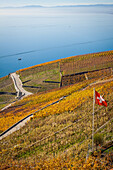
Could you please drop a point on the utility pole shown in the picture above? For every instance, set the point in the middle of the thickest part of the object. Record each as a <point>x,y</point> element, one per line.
<point>93,120</point>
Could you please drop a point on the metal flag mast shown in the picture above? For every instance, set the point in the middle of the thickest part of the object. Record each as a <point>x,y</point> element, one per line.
<point>93,120</point>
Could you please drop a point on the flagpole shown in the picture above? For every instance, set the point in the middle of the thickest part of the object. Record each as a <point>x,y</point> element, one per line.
<point>93,120</point>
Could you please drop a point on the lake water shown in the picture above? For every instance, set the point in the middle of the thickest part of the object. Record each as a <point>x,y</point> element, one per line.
<point>38,35</point>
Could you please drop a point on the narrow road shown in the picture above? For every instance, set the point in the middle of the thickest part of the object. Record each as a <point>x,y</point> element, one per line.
<point>21,92</point>
<point>16,126</point>
<point>23,121</point>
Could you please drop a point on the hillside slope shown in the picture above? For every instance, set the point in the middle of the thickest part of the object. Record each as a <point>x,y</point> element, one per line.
<point>62,129</point>
<point>59,136</point>
<point>47,76</point>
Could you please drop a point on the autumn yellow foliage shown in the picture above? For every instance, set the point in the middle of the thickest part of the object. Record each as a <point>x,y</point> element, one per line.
<point>75,100</point>
<point>76,95</point>
<point>65,162</point>
<point>34,102</point>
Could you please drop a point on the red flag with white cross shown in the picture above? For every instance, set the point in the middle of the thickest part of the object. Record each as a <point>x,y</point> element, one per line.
<point>100,100</point>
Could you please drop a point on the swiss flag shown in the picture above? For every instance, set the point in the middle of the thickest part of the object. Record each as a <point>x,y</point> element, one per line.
<point>99,99</point>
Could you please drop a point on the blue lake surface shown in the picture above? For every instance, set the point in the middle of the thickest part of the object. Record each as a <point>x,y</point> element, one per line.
<point>38,35</point>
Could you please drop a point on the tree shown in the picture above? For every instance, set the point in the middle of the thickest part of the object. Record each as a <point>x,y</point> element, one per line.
<point>98,139</point>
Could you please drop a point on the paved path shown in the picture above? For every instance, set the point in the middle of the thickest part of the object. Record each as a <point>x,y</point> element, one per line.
<point>7,106</point>
<point>23,121</point>
<point>21,92</point>
<point>16,126</point>
<point>101,81</point>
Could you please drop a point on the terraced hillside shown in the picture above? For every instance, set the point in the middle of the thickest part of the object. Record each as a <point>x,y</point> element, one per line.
<point>31,104</point>
<point>79,77</point>
<point>48,75</point>
<point>87,62</point>
<point>37,79</point>
<point>60,135</point>
<point>63,129</point>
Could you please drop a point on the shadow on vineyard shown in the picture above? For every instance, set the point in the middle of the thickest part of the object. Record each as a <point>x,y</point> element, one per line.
<point>78,77</point>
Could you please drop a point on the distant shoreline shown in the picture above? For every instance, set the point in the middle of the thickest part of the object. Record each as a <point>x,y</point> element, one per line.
<point>59,6</point>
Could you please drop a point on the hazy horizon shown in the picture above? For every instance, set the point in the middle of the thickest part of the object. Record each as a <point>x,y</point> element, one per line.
<point>16,3</point>
<point>50,6</point>
<point>45,6</point>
